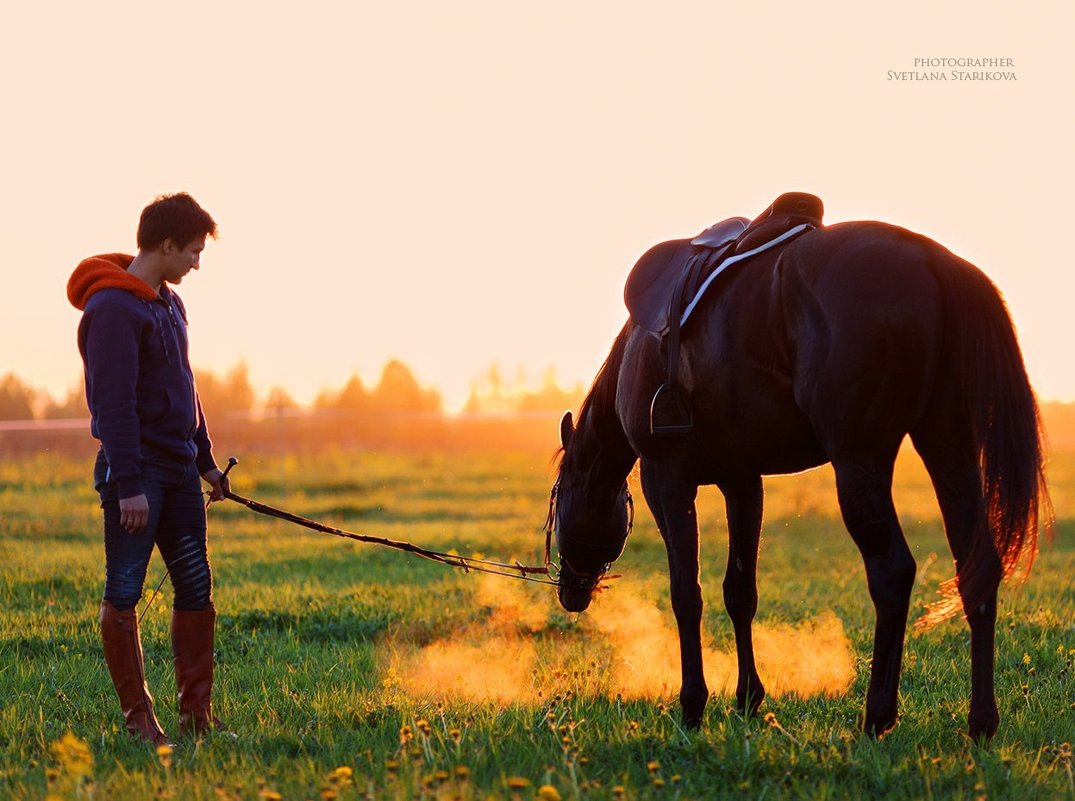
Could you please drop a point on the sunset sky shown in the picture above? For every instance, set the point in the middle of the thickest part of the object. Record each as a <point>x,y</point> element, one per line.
<point>458,184</point>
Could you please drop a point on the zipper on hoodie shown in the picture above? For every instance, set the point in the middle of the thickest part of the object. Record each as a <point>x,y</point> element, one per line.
<point>190,377</point>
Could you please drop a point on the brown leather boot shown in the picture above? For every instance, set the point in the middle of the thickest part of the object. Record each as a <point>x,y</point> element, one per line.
<point>192,650</point>
<point>123,654</point>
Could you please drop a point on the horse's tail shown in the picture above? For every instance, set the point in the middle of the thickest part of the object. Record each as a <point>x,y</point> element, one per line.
<point>1007,436</point>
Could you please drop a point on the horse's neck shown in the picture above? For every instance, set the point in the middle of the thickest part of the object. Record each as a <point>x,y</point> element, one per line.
<point>607,459</point>
<point>602,447</point>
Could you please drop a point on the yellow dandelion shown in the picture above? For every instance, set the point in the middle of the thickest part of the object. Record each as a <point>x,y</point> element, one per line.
<point>658,782</point>
<point>462,772</point>
<point>265,794</point>
<point>455,735</point>
<point>164,755</point>
<point>653,766</point>
<point>73,754</point>
<point>441,775</point>
<point>617,791</point>
<point>52,774</point>
<point>517,782</point>
<point>548,793</point>
<point>391,765</point>
<point>328,794</point>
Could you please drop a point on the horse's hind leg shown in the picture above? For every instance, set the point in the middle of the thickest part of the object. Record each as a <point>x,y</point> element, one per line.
<point>959,492</point>
<point>744,505</point>
<point>865,491</point>
<point>671,499</point>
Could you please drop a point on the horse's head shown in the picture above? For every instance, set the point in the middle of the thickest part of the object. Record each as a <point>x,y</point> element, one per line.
<point>591,523</point>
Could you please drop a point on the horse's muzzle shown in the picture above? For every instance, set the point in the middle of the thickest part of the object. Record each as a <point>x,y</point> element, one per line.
<point>574,599</point>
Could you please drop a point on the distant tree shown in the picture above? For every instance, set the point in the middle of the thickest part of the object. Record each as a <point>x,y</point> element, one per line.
<point>73,404</point>
<point>351,398</point>
<point>399,391</point>
<point>278,402</point>
<point>229,395</point>
<point>550,397</point>
<point>489,396</point>
<point>17,399</point>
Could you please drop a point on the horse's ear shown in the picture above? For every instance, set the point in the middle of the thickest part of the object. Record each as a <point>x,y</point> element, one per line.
<point>567,428</point>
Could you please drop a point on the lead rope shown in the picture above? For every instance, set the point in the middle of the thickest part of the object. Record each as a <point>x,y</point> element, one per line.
<point>515,570</point>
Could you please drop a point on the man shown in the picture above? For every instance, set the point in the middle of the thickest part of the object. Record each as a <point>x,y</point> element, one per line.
<point>154,445</point>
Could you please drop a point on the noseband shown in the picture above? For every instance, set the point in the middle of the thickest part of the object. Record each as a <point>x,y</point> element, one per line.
<point>564,574</point>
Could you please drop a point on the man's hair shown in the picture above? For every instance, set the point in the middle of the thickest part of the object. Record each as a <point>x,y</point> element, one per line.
<point>177,217</point>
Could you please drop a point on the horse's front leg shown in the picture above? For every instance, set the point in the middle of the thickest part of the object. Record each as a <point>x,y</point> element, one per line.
<point>671,499</point>
<point>744,504</point>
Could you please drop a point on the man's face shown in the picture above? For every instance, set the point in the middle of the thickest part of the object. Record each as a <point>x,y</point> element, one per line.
<point>182,261</point>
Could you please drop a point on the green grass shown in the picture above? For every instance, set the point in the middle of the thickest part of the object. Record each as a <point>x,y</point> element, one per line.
<point>315,634</point>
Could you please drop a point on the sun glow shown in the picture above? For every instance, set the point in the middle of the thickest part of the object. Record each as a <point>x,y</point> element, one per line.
<point>433,187</point>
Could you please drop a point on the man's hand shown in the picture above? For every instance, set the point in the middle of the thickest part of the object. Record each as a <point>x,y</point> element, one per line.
<point>219,482</point>
<point>134,513</point>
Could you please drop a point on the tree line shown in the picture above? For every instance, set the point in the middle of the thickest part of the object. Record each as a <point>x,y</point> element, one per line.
<point>233,395</point>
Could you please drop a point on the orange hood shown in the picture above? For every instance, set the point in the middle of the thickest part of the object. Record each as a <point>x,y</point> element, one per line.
<point>108,271</point>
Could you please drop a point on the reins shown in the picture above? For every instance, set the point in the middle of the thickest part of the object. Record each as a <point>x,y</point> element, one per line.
<point>514,570</point>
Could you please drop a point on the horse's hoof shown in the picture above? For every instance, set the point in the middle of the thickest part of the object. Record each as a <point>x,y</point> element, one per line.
<point>748,702</point>
<point>983,730</point>
<point>879,727</point>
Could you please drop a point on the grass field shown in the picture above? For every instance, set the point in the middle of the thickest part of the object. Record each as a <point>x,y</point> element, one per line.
<point>353,671</point>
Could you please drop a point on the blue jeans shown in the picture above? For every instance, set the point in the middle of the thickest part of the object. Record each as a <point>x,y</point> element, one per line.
<point>176,527</point>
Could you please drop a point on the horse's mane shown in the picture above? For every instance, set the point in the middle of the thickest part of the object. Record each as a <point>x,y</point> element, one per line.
<point>600,400</point>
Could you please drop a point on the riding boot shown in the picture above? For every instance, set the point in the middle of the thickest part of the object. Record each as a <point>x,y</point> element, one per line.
<point>192,649</point>
<point>123,655</point>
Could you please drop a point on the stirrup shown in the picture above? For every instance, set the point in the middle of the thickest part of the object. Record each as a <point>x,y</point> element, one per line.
<point>670,411</point>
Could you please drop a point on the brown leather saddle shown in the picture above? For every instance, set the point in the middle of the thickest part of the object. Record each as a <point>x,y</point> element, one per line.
<point>670,279</point>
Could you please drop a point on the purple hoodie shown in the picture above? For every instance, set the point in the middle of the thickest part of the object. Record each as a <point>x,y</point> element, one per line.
<point>139,384</point>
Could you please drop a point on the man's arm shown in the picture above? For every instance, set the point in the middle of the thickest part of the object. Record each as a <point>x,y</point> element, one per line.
<point>111,354</point>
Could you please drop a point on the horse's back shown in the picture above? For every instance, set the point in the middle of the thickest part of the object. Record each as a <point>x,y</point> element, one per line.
<point>864,315</point>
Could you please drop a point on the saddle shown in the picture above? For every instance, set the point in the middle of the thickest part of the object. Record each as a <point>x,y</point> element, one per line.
<point>686,264</point>
<point>667,283</point>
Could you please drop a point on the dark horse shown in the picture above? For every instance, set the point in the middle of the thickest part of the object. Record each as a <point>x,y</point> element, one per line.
<point>830,350</point>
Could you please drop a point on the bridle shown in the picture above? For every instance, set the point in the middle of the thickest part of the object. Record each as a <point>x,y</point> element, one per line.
<point>564,574</point>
